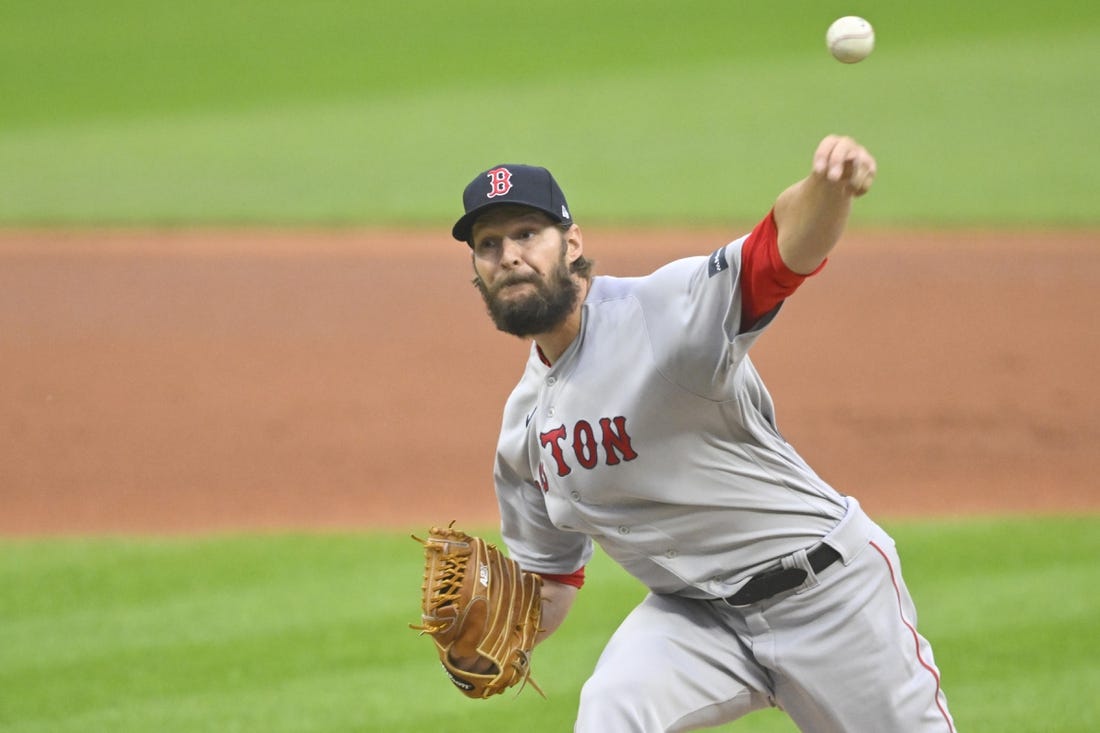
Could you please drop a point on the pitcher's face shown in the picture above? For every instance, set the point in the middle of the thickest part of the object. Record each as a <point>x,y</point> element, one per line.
<point>521,259</point>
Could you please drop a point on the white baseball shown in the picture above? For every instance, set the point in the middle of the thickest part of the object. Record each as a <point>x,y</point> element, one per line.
<point>850,39</point>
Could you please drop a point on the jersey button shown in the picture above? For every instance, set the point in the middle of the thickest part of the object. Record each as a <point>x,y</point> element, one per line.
<point>623,529</point>
<point>576,495</point>
<point>550,412</point>
<point>671,554</point>
<point>550,381</point>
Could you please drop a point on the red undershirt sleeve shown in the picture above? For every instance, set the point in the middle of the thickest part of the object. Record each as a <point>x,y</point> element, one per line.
<point>575,579</point>
<point>766,281</point>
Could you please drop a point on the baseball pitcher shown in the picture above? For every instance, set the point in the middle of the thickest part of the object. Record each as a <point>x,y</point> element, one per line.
<point>641,424</point>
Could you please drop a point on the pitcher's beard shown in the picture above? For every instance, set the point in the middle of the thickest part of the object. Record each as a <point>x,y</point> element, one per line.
<point>539,310</point>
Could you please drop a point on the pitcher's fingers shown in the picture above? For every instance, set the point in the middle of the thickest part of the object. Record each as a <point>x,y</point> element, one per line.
<point>839,155</point>
<point>823,154</point>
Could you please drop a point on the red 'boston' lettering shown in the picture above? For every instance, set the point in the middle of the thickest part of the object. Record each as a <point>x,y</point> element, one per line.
<point>617,439</point>
<point>584,444</point>
<point>614,440</point>
<point>553,439</point>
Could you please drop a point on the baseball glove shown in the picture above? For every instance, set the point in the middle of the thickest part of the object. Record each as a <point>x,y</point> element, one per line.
<point>477,602</point>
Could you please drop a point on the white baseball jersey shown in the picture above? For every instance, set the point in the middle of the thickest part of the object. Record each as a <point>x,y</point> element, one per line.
<point>654,436</point>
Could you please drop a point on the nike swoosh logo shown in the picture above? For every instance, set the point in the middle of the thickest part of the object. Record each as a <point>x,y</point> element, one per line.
<point>527,420</point>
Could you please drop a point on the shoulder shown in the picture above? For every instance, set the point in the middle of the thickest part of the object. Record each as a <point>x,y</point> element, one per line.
<point>607,287</point>
<point>678,276</point>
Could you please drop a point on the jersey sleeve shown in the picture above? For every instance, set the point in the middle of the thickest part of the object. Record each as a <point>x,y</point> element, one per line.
<point>526,527</point>
<point>702,314</point>
<point>766,281</point>
<point>575,579</point>
<point>531,538</point>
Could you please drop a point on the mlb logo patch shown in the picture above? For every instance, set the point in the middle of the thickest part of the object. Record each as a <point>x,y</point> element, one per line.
<point>717,262</point>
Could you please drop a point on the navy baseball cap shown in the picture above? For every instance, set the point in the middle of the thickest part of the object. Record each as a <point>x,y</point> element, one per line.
<point>523,185</point>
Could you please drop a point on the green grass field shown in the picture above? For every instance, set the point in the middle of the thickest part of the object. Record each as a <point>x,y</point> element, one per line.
<point>300,633</point>
<point>336,112</point>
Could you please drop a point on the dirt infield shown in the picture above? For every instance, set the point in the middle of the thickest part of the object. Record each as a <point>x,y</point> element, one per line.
<point>182,381</point>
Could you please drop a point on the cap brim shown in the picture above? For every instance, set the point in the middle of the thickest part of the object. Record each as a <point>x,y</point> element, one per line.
<point>464,227</point>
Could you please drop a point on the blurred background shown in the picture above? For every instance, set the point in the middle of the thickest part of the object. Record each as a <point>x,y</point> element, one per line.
<point>342,112</point>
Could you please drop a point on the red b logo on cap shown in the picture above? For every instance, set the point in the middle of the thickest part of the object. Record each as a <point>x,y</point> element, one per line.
<point>501,180</point>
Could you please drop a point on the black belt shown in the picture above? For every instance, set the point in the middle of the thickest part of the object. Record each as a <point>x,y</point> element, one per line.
<point>768,583</point>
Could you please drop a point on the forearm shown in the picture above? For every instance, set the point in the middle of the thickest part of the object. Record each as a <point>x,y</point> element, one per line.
<point>557,599</point>
<point>810,216</point>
